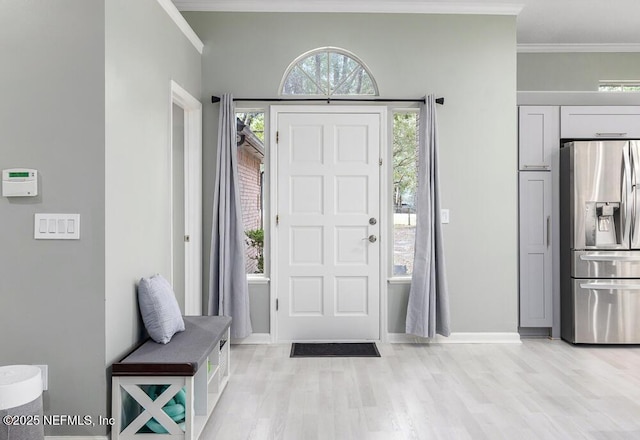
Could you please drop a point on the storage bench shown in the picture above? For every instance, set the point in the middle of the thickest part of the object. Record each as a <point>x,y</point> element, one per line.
<point>192,369</point>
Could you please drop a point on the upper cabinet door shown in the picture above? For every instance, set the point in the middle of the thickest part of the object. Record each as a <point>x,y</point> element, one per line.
<point>539,137</point>
<point>600,122</point>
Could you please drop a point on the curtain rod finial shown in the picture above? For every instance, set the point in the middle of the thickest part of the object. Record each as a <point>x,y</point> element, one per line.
<point>440,101</point>
<point>215,99</point>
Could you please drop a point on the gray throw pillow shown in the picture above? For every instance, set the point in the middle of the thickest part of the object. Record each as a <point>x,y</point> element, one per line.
<point>159,308</point>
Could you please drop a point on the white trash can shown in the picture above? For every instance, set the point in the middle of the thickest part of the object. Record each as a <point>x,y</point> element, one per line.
<point>21,403</point>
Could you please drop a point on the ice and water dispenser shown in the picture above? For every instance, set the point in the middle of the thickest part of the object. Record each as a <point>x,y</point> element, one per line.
<point>603,224</point>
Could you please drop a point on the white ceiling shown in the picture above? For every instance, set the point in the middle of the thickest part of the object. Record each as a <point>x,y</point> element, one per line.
<point>554,25</point>
<point>590,22</point>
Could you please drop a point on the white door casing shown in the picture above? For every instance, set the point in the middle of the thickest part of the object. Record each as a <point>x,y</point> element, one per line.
<point>192,198</point>
<point>327,271</point>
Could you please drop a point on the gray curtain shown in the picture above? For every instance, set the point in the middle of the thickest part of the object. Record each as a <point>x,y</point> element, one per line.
<point>228,288</point>
<point>428,309</point>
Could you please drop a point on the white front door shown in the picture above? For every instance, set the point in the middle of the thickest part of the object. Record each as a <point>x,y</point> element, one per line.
<point>328,208</point>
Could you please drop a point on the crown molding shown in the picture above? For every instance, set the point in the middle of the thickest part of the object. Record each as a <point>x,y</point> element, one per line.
<point>182,24</point>
<point>363,6</point>
<point>565,48</point>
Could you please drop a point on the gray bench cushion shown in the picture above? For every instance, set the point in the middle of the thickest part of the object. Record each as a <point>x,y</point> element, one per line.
<point>182,356</point>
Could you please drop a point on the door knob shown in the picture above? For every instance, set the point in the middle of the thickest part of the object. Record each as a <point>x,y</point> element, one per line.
<point>373,238</point>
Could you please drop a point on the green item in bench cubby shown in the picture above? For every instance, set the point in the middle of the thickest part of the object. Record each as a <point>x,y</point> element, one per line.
<point>174,408</point>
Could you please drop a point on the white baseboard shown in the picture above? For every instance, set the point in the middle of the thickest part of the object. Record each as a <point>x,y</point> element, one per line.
<point>393,338</point>
<point>458,338</point>
<point>74,437</point>
<point>255,338</point>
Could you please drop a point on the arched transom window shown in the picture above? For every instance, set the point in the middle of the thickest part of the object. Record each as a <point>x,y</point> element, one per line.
<point>328,71</point>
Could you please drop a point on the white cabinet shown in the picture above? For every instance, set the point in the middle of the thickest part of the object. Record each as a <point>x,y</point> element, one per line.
<point>536,253</point>
<point>600,122</point>
<point>538,139</point>
<point>538,162</point>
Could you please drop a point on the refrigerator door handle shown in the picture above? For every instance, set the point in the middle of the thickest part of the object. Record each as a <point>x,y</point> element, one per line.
<point>635,222</point>
<point>627,194</point>
<point>633,153</point>
<point>609,258</point>
<point>609,286</point>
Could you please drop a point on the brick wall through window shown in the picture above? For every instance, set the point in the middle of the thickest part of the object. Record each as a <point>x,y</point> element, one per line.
<point>250,185</point>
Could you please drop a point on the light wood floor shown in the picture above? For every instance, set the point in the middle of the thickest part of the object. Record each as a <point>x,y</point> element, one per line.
<point>539,389</point>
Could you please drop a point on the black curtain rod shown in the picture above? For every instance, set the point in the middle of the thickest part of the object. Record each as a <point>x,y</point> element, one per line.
<point>215,99</point>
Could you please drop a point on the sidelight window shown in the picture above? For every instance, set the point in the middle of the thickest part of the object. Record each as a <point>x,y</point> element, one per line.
<point>251,163</point>
<point>405,180</point>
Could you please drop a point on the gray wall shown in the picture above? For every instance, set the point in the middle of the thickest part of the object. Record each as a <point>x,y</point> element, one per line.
<point>102,149</point>
<point>397,307</point>
<point>574,71</point>
<point>259,300</point>
<point>470,60</point>
<point>52,119</point>
<point>144,51</point>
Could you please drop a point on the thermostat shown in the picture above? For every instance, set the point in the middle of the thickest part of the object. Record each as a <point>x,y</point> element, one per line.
<point>19,182</point>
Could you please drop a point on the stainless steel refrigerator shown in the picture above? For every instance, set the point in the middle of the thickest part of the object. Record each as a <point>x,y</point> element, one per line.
<point>600,242</point>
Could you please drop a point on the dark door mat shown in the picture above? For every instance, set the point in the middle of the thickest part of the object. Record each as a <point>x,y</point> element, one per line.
<point>349,349</point>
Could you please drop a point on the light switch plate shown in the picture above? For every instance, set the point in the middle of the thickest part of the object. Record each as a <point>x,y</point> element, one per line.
<point>444,216</point>
<point>56,227</point>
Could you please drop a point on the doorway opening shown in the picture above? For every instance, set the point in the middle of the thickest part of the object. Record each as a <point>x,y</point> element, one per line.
<point>186,199</point>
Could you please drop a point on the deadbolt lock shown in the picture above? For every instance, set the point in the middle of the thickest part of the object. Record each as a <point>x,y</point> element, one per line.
<point>372,221</point>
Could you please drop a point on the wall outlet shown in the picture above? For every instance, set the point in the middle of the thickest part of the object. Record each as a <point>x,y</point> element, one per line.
<point>45,376</point>
<point>444,216</point>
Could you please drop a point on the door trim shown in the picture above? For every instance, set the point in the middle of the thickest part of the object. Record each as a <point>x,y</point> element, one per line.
<point>192,197</point>
<point>271,245</point>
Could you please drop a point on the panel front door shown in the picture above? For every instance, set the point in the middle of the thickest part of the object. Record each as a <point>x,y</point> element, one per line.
<point>328,207</point>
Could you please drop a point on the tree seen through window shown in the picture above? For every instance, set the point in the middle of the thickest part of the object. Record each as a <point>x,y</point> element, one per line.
<point>328,72</point>
<point>405,180</point>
